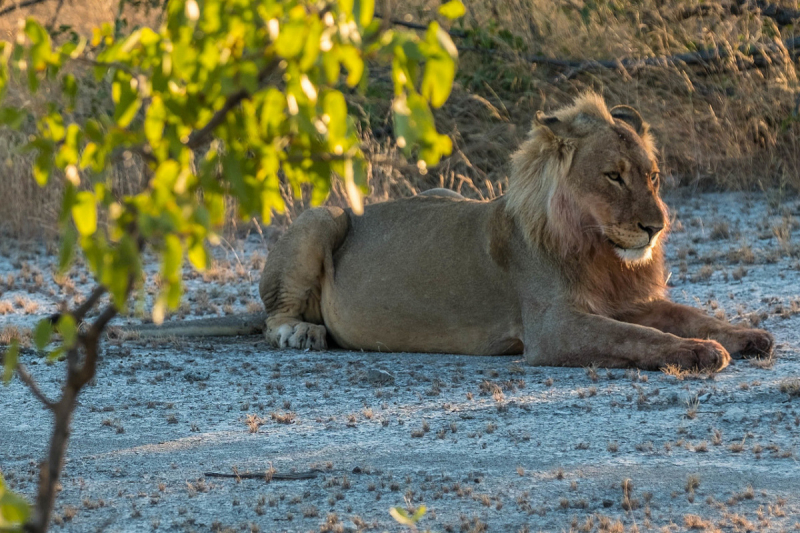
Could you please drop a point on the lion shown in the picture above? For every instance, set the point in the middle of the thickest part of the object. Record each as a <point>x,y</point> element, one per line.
<point>566,268</point>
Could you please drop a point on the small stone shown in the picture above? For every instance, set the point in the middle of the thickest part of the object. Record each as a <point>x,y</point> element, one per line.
<point>379,377</point>
<point>196,376</point>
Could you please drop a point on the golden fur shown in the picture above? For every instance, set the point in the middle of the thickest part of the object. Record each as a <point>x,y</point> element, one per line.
<point>566,268</point>
<point>540,199</point>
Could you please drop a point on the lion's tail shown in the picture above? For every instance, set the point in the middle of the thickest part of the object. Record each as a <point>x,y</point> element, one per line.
<point>227,326</point>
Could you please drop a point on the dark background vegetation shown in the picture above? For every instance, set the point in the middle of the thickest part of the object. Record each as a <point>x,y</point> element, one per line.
<point>717,81</point>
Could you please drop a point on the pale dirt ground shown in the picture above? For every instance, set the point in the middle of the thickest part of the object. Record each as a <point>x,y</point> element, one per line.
<point>484,442</point>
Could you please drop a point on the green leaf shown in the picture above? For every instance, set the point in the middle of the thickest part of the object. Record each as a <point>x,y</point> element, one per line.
<point>55,126</point>
<point>351,59</point>
<point>401,516</point>
<point>69,86</point>
<point>67,248</point>
<point>419,513</point>
<point>10,361</point>
<point>69,152</point>
<point>56,354</point>
<point>198,256</point>
<point>364,11</point>
<point>93,156</point>
<point>43,166</point>
<point>414,125</point>
<point>452,10</point>
<point>154,120</point>
<point>12,117</point>
<point>40,40</point>
<point>172,258</point>
<point>68,329</point>
<point>14,509</point>
<point>84,212</point>
<point>291,39</point>
<point>42,333</point>
<point>166,175</point>
<point>335,108</point>
<point>126,97</point>
<point>440,69</point>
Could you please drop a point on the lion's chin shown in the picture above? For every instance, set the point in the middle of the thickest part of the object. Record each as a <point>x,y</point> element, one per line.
<point>635,256</point>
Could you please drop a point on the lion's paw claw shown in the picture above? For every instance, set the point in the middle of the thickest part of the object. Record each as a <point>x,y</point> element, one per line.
<point>301,335</point>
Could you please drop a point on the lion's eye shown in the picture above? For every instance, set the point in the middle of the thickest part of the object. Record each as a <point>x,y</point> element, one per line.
<point>615,177</point>
<point>655,178</point>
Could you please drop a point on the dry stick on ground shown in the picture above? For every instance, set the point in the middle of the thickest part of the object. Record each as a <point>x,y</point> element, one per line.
<point>291,476</point>
<point>782,16</point>
<point>761,56</point>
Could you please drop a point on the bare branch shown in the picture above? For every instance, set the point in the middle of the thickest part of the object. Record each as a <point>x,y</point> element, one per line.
<point>78,375</point>
<point>51,468</point>
<point>416,26</point>
<point>86,306</point>
<point>54,19</point>
<point>28,380</point>
<point>20,5</point>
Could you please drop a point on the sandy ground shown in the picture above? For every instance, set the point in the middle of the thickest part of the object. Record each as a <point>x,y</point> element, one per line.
<point>485,443</point>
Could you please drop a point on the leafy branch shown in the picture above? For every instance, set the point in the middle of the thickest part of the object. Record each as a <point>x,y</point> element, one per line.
<point>258,86</point>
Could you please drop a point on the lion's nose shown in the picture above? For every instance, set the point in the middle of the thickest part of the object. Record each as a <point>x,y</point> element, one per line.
<point>652,231</point>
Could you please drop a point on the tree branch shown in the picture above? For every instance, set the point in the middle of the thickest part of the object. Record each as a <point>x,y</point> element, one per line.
<point>20,5</point>
<point>52,23</point>
<point>415,26</point>
<point>86,306</point>
<point>198,137</point>
<point>78,375</point>
<point>28,380</point>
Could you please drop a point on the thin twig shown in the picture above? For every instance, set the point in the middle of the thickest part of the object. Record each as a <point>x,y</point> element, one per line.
<point>86,306</point>
<point>52,23</point>
<point>28,380</point>
<point>415,26</point>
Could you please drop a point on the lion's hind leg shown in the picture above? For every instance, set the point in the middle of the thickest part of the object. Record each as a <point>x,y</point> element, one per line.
<point>291,283</point>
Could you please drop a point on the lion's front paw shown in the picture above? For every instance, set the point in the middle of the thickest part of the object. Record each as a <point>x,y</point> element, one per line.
<point>301,335</point>
<point>750,343</point>
<point>701,355</point>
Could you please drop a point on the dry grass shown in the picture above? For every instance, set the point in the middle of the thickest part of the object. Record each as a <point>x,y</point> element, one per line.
<point>790,387</point>
<point>9,333</point>
<point>723,126</point>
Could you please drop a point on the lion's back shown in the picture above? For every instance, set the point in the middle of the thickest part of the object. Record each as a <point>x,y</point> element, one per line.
<point>413,272</point>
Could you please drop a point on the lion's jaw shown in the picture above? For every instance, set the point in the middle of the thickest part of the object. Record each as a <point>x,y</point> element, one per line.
<point>634,247</point>
<point>635,256</point>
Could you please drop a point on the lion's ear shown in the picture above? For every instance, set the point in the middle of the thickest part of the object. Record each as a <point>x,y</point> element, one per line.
<point>541,119</point>
<point>631,117</point>
<point>558,127</point>
<point>576,127</point>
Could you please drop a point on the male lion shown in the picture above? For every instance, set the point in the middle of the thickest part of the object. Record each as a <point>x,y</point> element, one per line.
<point>566,268</point>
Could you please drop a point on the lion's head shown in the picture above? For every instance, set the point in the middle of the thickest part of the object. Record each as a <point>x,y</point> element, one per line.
<point>587,177</point>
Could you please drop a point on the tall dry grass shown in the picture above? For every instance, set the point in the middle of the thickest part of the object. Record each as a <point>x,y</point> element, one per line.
<point>724,125</point>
